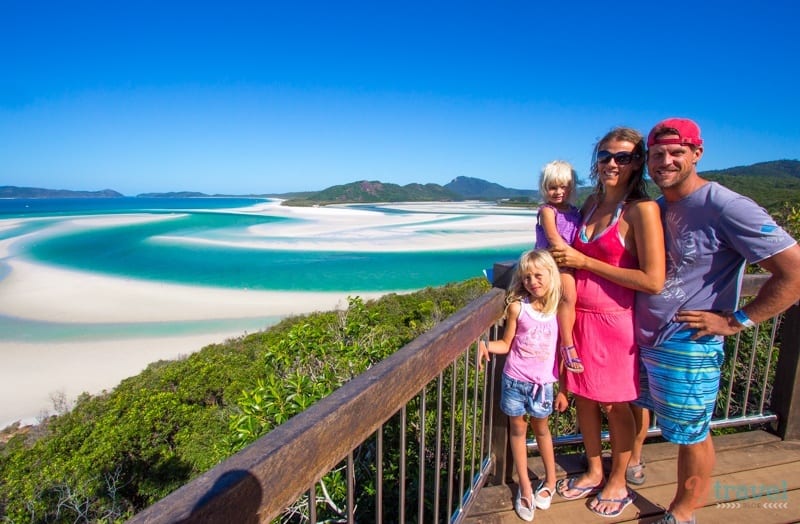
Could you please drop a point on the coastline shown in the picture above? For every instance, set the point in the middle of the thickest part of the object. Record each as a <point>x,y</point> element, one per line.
<point>34,372</point>
<point>36,369</point>
<point>45,293</point>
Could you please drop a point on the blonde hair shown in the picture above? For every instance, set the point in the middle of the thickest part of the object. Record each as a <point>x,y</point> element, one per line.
<point>558,172</point>
<point>543,260</point>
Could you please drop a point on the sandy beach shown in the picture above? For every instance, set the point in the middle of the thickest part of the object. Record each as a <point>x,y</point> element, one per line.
<point>32,373</point>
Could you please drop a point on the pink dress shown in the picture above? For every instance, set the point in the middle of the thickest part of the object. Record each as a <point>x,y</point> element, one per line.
<point>603,332</point>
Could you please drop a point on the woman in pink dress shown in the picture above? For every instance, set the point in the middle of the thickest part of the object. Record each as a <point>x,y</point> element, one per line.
<point>619,250</point>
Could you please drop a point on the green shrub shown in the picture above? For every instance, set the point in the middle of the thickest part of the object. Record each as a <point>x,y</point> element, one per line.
<point>116,453</point>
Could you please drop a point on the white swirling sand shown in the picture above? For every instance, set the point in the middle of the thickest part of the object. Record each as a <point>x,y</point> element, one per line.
<point>32,373</point>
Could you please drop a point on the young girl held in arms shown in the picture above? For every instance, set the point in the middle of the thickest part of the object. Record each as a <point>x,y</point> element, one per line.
<point>530,340</point>
<point>556,225</point>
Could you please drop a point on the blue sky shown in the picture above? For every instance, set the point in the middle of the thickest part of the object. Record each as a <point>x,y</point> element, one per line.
<point>261,97</point>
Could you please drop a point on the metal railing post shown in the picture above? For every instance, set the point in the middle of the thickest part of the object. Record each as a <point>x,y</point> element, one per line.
<point>504,464</point>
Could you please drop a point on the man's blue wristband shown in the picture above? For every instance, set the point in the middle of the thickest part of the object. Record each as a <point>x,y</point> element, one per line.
<point>742,318</point>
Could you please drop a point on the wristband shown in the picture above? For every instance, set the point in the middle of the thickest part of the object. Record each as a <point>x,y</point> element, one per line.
<point>742,318</point>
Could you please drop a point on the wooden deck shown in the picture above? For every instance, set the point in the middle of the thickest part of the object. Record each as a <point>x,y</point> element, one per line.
<point>749,466</point>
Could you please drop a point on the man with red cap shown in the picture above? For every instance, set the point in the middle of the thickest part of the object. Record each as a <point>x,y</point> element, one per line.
<point>711,233</point>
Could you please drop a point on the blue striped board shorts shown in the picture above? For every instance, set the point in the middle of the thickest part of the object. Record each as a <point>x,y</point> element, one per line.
<point>679,383</point>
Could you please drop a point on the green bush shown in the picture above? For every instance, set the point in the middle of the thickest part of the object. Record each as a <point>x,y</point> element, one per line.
<point>116,453</point>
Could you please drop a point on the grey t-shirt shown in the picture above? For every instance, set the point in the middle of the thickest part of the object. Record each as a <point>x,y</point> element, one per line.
<point>709,236</point>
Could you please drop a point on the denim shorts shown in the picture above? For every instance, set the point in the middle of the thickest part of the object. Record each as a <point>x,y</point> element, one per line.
<point>519,397</point>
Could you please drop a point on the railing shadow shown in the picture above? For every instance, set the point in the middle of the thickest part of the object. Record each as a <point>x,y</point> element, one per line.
<point>235,490</point>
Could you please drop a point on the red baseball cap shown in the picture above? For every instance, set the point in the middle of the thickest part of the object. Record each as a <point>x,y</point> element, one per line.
<point>687,130</point>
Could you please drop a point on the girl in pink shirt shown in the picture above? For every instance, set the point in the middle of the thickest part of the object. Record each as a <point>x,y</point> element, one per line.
<point>530,339</point>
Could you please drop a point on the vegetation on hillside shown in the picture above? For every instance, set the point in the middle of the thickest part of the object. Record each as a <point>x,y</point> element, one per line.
<point>116,453</point>
<point>36,192</point>
<point>374,191</point>
<point>471,188</point>
<point>765,170</point>
<point>771,184</point>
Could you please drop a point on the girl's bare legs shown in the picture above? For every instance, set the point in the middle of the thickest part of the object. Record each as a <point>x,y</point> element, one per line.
<point>544,441</point>
<point>519,452</point>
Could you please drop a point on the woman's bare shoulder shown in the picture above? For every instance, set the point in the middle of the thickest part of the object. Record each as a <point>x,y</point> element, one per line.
<point>643,205</point>
<point>643,210</point>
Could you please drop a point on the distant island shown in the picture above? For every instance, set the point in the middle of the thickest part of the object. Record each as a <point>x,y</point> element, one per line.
<point>460,188</point>
<point>35,192</point>
<point>769,183</point>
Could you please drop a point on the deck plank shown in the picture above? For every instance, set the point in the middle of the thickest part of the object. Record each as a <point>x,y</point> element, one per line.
<point>756,478</point>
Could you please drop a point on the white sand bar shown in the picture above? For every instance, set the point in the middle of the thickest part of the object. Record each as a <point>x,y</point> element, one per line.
<point>39,292</point>
<point>33,372</point>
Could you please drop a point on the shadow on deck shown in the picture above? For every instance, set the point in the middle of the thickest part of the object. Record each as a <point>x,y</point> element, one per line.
<point>756,479</point>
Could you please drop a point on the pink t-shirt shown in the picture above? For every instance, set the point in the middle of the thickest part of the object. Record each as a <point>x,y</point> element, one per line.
<point>532,357</point>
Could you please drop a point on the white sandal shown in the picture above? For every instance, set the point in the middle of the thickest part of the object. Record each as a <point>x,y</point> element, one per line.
<point>542,501</point>
<point>523,507</point>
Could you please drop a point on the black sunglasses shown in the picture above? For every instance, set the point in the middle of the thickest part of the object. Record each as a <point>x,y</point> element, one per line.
<point>623,158</point>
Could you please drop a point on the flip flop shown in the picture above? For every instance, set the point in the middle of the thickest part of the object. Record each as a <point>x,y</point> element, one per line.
<point>623,503</point>
<point>568,484</point>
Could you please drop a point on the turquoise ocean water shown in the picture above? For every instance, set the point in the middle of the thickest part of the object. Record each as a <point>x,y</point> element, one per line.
<point>173,251</point>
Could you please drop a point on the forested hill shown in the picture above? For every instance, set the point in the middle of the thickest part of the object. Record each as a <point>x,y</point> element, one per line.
<point>768,183</point>
<point>374,191</point>
<point>776,168</point>
<point>460,188</point>
<point>36,192</point>
<point>476,188</point>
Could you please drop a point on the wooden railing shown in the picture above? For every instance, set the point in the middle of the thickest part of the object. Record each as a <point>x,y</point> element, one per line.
<point>431,467</point>
<point>259,483</point>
